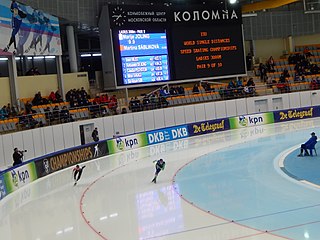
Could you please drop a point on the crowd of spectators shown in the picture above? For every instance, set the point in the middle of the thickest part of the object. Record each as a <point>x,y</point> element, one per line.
<point>238,88</point>
<point>8,111</point>
<point>148,102</point>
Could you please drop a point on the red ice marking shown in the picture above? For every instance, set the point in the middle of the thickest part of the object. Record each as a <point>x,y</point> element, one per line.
<point>81,205</point>
<point>260,232</point>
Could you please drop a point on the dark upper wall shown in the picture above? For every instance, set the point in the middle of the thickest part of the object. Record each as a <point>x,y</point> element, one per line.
<point>281,22</point>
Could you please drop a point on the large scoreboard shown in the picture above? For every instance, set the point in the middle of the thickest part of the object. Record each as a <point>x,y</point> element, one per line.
<point>158,44</point>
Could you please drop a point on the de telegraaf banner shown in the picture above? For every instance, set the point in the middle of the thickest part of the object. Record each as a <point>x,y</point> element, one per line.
<point>296,114</point>
<point>125,143</point>
<point>20,176</point>
<point>28,31</point>
<point>208,126</point>
<point>251,120</point>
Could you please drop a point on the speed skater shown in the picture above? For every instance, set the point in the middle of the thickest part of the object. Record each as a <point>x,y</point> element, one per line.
<point>160,165</point>
<point>77,172</point>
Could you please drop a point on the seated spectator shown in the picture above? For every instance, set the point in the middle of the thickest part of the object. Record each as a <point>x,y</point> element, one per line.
<point>113,104</point>
<point>49,115</point>
<point>310,144</point>
<point>65,115</point>
<point>146,103</point>
<point>12,111</point>
<point>307,52</point>
<point>94,110</point>
<point>270,64</point>
<point>134,104</point>
<point>239,87</point>
<point>52,97</point>
<point>285,73</point>
<point>314,84</point>
<point>83,93</point>
<point>154,100</point>
<point>26,120</point>
<point>56,113</point>
<point>251,86</point>
<point>4,113</point>
<point>58,96</point>
<point>28,107</point>
<point>39,100</point>
<point>314,69</point>
<point>173,91</point>
<point>104,98</point>
<point>97,99</point>
<point>206,86</point>
<point>180,90</point>
<point>283,84</point>
<point>195,89</point>
<point>73,102</point>
<point>163,92</point>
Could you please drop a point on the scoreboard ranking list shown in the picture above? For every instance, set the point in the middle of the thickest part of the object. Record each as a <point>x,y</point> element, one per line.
<point>144,56</point>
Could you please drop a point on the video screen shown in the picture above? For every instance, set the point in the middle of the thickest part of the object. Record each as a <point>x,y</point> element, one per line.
<point>144,56</point>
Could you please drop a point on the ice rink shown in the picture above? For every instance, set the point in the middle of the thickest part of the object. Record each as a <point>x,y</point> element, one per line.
<point>226,185</point>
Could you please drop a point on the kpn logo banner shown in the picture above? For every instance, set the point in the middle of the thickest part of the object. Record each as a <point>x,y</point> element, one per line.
<point>20,176</point>
<point>251,120</point>
<point>125,143</point>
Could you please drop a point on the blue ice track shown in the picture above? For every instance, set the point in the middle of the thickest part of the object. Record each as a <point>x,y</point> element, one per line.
<point>242,183</point>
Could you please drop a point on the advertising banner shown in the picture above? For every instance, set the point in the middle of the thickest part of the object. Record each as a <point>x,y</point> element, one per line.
<point>208,127</point>
<point>19,177</point>
<point>28,31</point>
<point>251,120</point>
<point>56,162</point>
<point>125,143</point>
<point>296,114</point>
<point>167,134</point>
<point>3,191</point>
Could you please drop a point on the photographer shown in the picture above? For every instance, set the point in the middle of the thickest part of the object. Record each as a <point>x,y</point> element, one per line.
<point>17,156</point>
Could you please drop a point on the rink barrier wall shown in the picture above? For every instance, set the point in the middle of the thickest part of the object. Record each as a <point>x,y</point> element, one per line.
<point>51,139</point>
<point>17,177</point>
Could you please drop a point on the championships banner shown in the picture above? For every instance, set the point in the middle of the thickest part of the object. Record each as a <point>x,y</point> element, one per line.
<point>125,143</point>
<point>167,134</point>
<point>28,31</point>
<point>251,120</point>
<point>19,177</point>
<point>296,114</point>
<point>50,164</point>
<point>208,127</point>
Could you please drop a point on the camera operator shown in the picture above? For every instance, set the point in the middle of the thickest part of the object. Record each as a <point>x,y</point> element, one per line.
<point>17,156</point>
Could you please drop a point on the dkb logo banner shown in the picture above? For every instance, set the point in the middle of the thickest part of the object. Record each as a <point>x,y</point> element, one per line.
<point>167,134</point>
<point>20,176</point>
<point>251,120</point>
<point>125,143</point>
<point>3,191</point>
